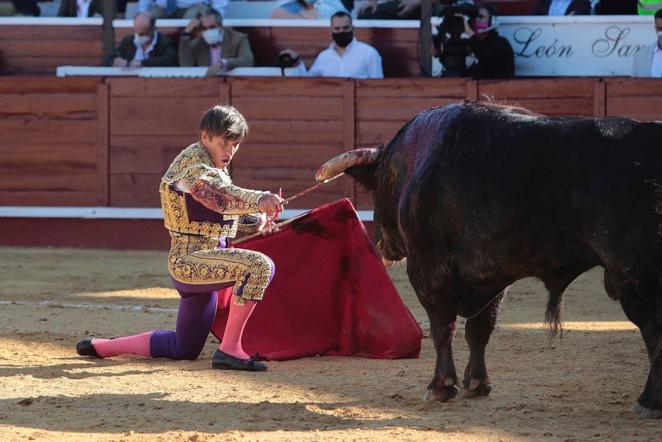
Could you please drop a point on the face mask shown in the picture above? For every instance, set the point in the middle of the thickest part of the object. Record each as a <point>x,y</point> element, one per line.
<point>141,40</point>
<point>659,38</point>
<point>212,36</point>
<point>342,39</point>
<point>479,26</point>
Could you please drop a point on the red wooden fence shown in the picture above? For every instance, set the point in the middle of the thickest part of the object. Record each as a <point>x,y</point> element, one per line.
<point>93,141</point>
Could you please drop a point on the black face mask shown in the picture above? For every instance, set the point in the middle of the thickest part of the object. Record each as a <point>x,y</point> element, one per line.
<point>342,39</point>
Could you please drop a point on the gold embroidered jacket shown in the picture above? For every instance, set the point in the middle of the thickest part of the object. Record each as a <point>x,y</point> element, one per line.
<point>208,203</point>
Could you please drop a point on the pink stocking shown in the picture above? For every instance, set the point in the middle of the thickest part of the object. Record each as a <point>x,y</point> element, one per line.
<point>136,345</point>
<point>234,329</point>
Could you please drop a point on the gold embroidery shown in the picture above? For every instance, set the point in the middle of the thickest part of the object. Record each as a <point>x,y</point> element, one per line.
<point>195,260</point>
<point>209,185</point>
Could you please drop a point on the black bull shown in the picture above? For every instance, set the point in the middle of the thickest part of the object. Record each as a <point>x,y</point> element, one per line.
<point>477,196</point>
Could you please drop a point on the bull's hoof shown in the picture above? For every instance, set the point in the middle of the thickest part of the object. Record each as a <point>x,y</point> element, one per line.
<point>476,387</point>
<point>646,413</point>
<point>441,394</point>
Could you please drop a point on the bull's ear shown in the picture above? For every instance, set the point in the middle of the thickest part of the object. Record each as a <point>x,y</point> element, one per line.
<point>365,174</point>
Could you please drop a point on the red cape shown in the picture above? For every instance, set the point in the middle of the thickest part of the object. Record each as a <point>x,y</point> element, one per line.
<point>331,294</point>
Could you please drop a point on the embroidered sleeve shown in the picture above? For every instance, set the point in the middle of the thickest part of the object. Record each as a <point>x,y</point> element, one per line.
<point>193,171</point>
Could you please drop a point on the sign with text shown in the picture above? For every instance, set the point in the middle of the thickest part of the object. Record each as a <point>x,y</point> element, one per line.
<point>571,46</point>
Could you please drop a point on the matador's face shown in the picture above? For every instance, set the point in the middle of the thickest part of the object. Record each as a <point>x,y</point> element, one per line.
<point>220,149</point>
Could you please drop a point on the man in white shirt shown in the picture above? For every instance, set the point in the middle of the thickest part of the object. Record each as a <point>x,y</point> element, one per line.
<point>648,61</point>
<point>562,7</point>
<point>346,56</point>
<point>180,8</point>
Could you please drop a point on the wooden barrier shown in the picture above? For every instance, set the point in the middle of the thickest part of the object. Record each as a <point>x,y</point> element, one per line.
<point>39,49</point>
<point>89,141</point>
<point>50,149</point>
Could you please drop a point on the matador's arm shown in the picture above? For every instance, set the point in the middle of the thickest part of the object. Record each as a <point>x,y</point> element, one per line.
<point>213,189</point>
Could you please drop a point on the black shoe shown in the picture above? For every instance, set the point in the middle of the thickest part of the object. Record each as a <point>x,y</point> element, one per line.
<point>85,348</point>
<point>224,361</point>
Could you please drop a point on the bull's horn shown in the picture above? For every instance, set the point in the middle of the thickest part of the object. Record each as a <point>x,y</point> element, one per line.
<point>342,162</point>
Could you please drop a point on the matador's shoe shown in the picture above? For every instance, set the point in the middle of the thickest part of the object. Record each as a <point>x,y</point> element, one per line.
<point>224,361</point>
<point>85,348</point>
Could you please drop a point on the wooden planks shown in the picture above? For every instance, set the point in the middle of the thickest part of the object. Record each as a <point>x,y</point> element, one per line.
<point>382,107</point>
<point>635,98</point>
<point>572,96</point>
<point>40,49</point>
<point>83,141</point>
<point>151,120</point>
<point>48,141</point>
<point>295,125</point>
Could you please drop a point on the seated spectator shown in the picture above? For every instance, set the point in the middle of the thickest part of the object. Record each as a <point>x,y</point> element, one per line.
<point>310,9</point>
<point>81,8</point>
<point>9,8</point>
<point>346,56</point>
<point>397,9</point>
<point>146,47</point>
<point>88,8</point>
<point>205,42</point>
<point>648,61</point>
<point>563,7</point>
<point>180,8</point>
<point>616,7</point>
<point>648,7</point>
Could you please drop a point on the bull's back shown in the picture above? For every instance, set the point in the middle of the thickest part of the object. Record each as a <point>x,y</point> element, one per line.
<point>521,185</point>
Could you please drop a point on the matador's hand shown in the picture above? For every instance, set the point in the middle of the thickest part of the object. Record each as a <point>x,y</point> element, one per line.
<point>270,203</point>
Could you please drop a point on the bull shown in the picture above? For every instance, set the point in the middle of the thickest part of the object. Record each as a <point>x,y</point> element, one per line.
<point>477,196</point>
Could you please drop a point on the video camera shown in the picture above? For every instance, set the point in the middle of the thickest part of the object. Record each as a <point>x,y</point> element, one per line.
<point>451,47</point>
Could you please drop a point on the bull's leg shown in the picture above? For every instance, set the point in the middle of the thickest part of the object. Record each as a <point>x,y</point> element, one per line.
<point>640,299</point>
<point>477,333</point>
<point>442,328</point>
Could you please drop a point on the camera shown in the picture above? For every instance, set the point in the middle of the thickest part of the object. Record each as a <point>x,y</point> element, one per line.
<point>451,47</point>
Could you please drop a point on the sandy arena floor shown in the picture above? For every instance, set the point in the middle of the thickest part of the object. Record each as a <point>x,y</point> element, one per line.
<point>579,389</point>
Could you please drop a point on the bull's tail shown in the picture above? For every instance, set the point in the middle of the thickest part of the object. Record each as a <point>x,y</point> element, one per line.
<point>553,315</point>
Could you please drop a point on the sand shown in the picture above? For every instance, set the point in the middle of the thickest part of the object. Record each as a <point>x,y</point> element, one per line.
<point>581,388</point>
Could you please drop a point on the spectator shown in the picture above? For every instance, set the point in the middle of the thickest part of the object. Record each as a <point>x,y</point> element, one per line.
<point>146,47</point>
<point>10,8</point>
<point>205,42</point>
<point>493,53</point>
<point>81,8</point>
<point>180,8</point>
<point>649,7</point>
<point>648,61</point>
<point>346,56</point>
<point>311,9</point>
<point>397,9</point>
<point>616,7</point>
<point>563,7</point>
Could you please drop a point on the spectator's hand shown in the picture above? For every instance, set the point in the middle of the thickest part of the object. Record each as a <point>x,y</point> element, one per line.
<point>193,25</point>
<point>371,4</point>
<point>407,7</point>
<point>215,68</point>
<point>467,29</point>
<point>119,62</point>
<point>135,63</point>
<point>270,203</point>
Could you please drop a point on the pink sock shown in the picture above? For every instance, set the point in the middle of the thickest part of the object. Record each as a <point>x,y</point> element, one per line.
<point>135,345</point>
<point>234,329</point>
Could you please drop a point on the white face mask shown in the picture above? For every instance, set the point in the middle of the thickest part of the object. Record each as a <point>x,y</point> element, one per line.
<point>141,40</point>
<point>212,36</point>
